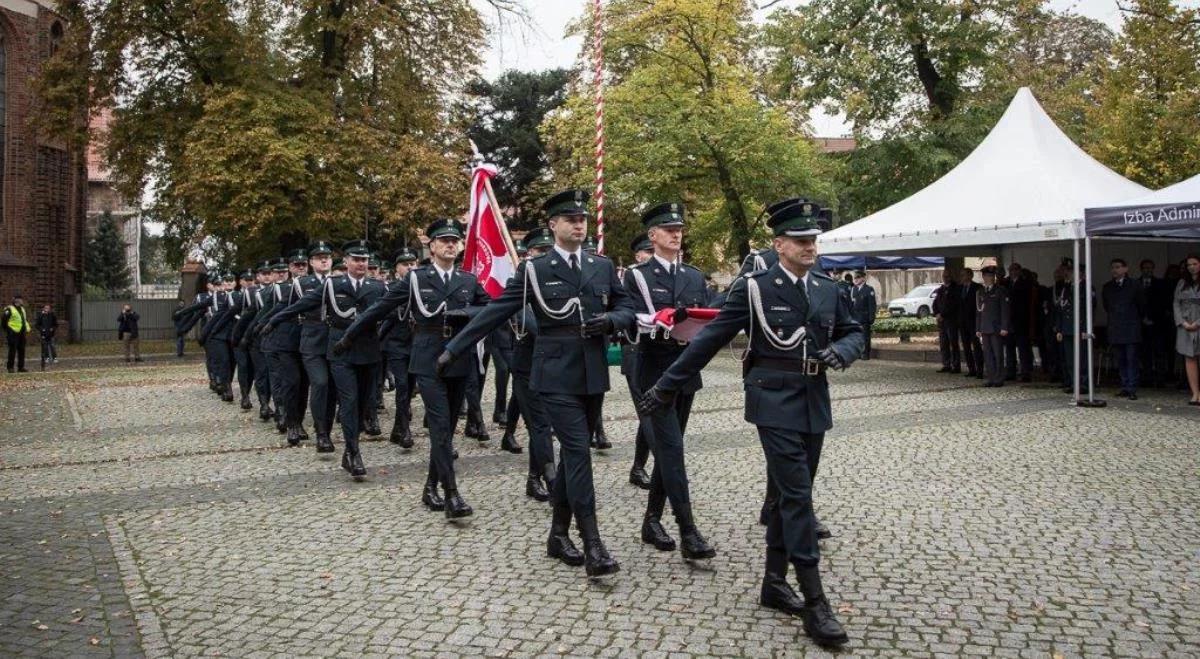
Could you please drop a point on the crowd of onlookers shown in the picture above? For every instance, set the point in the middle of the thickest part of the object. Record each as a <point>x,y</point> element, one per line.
<point>992,329</point>
<point>17,328</point>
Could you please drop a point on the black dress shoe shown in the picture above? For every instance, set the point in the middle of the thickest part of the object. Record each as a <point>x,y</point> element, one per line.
<point>559,546</point>
<point>1132,396</point>
<point>819,622</point>
<point>264,414</point>
<point>401,437</point>
<point>280,426</point>
<point>246,404</point>
<point>535,489</point>
<point>227,394</point>
<point>456,508</point>
<point>431,498</point>
<point>498,418</point>
<point>597,562</point>
<point>602,443</point>
<point>371,428</point>
<point>509,443</point>
<point>823,531</point>
<point>476,431</point>
<point>293,436</point>
<point>639,477</point>
<point>764,513</point>
<point>693,546</point>
<point>779,595</point>
<point>324,443</point>
<point>653,533</point>
<point>357,468</point>
<point>303,434</point>
<point>1122,394</point>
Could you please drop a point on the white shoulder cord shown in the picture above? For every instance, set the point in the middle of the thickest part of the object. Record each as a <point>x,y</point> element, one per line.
<point>644,289</point>
<point>414,292</point>
<point>296,289</point>
<point>759,262</point>
<point>790,343</point>
<point>334,305</point>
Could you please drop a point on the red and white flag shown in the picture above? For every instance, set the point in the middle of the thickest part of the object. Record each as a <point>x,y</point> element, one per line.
<point>486,254</point>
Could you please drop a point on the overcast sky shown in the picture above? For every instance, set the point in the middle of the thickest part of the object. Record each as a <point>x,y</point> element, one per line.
<point>543,46</point>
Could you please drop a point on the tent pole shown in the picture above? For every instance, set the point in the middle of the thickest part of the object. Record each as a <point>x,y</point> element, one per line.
<point>1091,336</point>
<point>1075,315</point>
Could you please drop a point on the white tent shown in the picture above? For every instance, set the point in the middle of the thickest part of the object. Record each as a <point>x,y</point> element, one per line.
<point>1027,182</point>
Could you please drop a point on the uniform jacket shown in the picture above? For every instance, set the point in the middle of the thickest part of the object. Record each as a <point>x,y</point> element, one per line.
<point>967,316</point>
<point>429,335</point>
<point>685,289</point>
<point>277,298</point>
<point>222,317</point>
<point>314,333</point>
<point>563,360</point>
<point>1125,304</point>
<point>1022,304</point>
<point>863,305</point>
<point>948,302</point>
<point>778,398</point>
<point>1065,319</point>
<point>993,310</point>
<point>250,304</point>
<point>364,348</point>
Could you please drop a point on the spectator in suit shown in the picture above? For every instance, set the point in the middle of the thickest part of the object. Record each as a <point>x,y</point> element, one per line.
<point>1018,344</point>
<point>863,308</point>
<point>947,305</point>
<point>1125,303</point>
<point>127,333</point>
<point>972,348</point>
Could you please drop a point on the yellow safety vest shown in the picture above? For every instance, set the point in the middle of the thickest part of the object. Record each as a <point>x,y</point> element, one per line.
<point>16,319</point>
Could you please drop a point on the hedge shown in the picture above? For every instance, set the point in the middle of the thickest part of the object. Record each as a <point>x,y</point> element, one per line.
<point>905,324</point>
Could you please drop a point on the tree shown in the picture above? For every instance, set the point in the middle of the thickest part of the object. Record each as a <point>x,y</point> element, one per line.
<point>684,124</point>
<point>1146,121</point>
<point>508,114</point>
<point>104,258</point>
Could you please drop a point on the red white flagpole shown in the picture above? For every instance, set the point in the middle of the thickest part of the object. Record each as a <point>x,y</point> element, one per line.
<point>598,80</point>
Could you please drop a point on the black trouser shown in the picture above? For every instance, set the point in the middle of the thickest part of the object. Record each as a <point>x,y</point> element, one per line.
<point>1152,355</point>
<point>664,433</point>
<point>573,418</point>
<point>512,413</point>
<point>442,396</point>
<point>322,400</point>
<point>791,525</point>
<point>1017,348</point>
<point>262,373</point>
<point>503,369</point>
<point>972,348</point>
<point>353,384</point>
<point>179,341</point>
<point>221,357</point>
<point>641,448</point>
<point>406,387</point>
<point>1050,352</point>
<point>949,345</point>
<point>993,357</point>
<point>1068,362</point>
<point>866,353</point>
<point>16,348</point>
<point>537,422</point>
<point>473,392</point>
<point>245,370</point>
<point>291,392</point>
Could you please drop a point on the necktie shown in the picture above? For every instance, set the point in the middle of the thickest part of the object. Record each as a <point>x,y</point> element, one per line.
<point>672,269</point>
<point>446,278</point>
<point>574,261</point>
<point>356,282</point>
<point>800,286</point>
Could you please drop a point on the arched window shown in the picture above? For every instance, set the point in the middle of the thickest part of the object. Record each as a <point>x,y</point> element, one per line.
<point>56,35</point>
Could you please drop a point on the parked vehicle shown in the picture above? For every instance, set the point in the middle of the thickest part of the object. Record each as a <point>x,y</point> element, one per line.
<point>917,302</point>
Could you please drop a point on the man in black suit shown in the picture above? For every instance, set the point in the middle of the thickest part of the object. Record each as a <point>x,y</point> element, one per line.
<point>1125,303</point>
<point>1018,345</point>
<point>1157,320</point>
<point>946,309</point>
<point>993,320</point>
<point>440,299</point>
<point>578,302</point>
<point>971,346</point>
<point>354,363</point>
<point>863,307</point>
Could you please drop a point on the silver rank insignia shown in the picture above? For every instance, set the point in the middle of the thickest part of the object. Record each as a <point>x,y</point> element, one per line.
<point>591,260</point>
<point>779,282</point>
<point>553,262</point>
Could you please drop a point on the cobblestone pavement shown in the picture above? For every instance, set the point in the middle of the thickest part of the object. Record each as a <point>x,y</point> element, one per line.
<point>140,516</point>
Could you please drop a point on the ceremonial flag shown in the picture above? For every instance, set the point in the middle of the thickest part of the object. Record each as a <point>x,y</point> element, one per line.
<point>678,324</point>
<point>488,255</point>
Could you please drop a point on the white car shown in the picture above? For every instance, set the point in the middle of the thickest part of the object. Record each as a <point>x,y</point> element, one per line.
<point>917,302</point>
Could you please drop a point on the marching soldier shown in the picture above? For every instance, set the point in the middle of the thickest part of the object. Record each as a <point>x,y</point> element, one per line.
<point>226,326</point>
<point>284,348</point>
<point>643,250</point>
<point>252,305</point>
<point>798,325</point>
<point>353,362</point>
<point>215,335</point>
<point>540,480</point>
<point>578,303</point>
<point>314,344</point>
<point>664,282</point>
<point>440,298</point>
<point>273,302</point>
<point>395,333</point>
<point>992,322</point>
<point>195,314</point>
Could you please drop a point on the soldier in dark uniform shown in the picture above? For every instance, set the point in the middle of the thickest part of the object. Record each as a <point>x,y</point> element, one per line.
<point>439,298</point>
<point>578,303</point>
<point>314,344</point>
<point>946,308</point>
<point>1018,345</point>
<point>243,335</point>
<point>283,349</point>
<point>643,250</point>
<point>971,346</point>
<point>353,362</point>
<point>798,325</point>
<point>216,334</point>
<point>664,282</point>
<point>540,479</point>
<point>992,323</point>
<point>863,307</point>
<point>189,316</point>
<point>395,335</point>
<point>226,326</point>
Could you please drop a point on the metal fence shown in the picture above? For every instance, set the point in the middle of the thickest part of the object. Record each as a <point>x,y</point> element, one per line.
<point>98,318</point>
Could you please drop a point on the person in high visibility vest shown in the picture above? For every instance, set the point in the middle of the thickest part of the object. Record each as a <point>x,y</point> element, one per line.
<point>16,330</point>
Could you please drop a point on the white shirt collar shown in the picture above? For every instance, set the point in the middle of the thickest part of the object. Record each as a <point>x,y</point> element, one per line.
<point>442,274</point>
<point>664,263</point>
<point>794,277</point>
<point>566,256</point>
<point>356,282</point>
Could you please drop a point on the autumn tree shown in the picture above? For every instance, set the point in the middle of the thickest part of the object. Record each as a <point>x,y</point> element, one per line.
<point>684,124</point>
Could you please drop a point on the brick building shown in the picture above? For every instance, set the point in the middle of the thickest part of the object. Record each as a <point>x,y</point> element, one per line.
<point>43,185</point>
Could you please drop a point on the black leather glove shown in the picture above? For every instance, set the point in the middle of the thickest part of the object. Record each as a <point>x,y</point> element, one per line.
<point>342,345</point>
<point>456,317</point>
<point>443,363</point>
<point>681,314</point>
<point>598,325</point>
<point>832,359</point>
<point>653,400</point>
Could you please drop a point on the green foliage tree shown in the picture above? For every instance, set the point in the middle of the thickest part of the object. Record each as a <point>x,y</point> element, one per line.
<point>104,258</point>
<point>507,114</point>
<point>684,123</point>
<point>1146,121</point>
